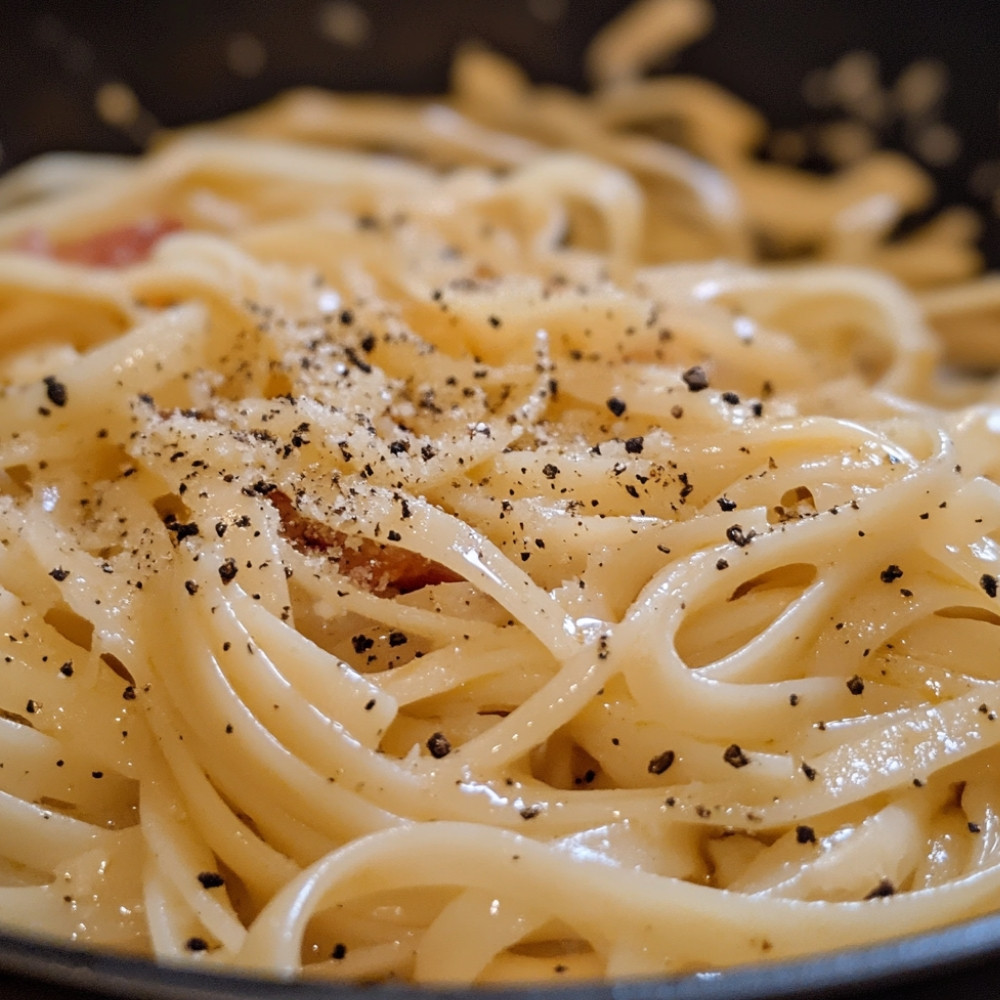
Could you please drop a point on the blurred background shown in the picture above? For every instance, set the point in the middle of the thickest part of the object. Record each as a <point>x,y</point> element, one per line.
<point>833,76</point>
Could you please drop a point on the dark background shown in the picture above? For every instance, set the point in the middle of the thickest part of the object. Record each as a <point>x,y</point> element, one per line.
<point>54,56</point>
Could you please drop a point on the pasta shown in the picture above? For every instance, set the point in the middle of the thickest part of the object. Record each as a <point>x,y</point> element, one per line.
<point>481,541</point>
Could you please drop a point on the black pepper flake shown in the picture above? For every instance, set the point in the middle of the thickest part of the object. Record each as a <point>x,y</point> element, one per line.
<point>725,503</point>
<point>55,390</point>
<point>347,317</point>
<point>227,571</point>
<point>370,704</point>
<point>339,952</point>
<point>632,491</point>
<point>196,944</point>
<point>530,812</point>
<point>31,707</point>
<point>439,745</point>
<point>890,573</point>
<point>633,445</point>
<point>884,888</point>
<point>494,321</point>
<point>805,835</point>
<point>731,398</point>
<point>734,756</point>
<point>181,530</point>
<point>397,639</point>
<point>191,587</point>
<point>362,643</point>
<point>974,828</point>
<point>721,564</point>
<point>809,772</point>
<point>695,378</point>
<point>793,700</point>
<point>394,536</point>
<point>59,574</point>
<point>550,471</point>
<point>129,693</point>
<point>357,361</point>
<point>211,880</point>
<point>67,669</point>
<point>989,584</point>
<point>661,762</point>
<point>855,685</point>
<point>97,774</point>
<point>737,536</point>
<point>616,406</point>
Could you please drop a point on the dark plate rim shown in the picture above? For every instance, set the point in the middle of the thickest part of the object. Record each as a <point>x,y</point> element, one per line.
<point>958,948</point>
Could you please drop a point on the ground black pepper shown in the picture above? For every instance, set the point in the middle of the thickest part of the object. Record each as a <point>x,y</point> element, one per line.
<point>695,378</point>
<point>738,537</point>
<point>55,390</point>
<point>884,888</point>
